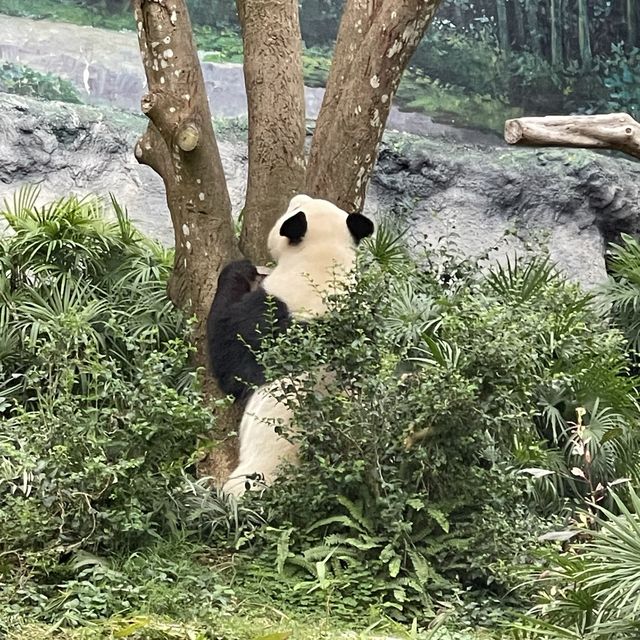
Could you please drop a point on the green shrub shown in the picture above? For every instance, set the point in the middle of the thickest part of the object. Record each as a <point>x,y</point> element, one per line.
<point>621,77</point>
<point>99,412</point>
<point>23,81</point>
<point>472,62</point>
<point>409,489</point>
<point>621,294</point>
<point>592,591</point>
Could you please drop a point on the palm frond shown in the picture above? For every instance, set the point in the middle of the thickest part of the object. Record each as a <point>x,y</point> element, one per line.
<point>520,281</point>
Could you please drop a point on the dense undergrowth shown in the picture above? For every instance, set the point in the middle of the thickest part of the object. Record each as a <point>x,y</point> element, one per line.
<point>474,418</point>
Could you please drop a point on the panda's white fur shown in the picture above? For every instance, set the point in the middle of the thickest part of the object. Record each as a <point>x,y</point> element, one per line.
<point>305,273</point>
<point>262,450</point>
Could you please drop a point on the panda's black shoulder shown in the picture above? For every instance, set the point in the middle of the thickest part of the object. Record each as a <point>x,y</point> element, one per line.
<point>236,328</point>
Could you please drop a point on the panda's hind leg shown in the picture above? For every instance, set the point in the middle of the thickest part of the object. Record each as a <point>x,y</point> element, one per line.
<point>262,448</point>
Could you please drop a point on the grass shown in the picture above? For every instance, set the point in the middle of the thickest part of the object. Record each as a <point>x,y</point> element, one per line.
<point>247,625</point>
<point>452,105</point>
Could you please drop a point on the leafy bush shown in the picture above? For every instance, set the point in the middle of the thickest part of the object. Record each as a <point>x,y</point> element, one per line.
<point>472,62</point>
<point>99,412</point>
<point>622,292</point>
<point>592,591</point>
<point>409,489</point>
<point>621,77</point>
<point>23,81</point>
<point>109,14</point>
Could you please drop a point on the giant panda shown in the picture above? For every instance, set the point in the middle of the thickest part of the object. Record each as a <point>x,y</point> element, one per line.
<point>314,247</point>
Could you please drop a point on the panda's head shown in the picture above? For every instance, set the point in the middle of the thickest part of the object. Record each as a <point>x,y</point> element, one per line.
<point>311,224</point>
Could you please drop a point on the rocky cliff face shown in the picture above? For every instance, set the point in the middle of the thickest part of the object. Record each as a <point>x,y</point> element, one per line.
<point>505,200</point>
<point>480,197</point>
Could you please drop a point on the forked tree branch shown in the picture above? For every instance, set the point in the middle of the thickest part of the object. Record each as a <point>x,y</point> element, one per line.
<point>375,42</point>
<point>180,146</point>
<point>611,131</point>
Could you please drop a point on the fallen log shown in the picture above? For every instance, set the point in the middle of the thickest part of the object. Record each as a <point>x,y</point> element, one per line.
<point>610,131</point>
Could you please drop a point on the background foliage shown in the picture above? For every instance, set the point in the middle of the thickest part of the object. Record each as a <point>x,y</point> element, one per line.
<point>480,62</point>
<point>23,81</point>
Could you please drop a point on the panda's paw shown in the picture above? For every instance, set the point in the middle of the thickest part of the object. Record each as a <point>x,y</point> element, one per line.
<point>238,277</point>
<point>254,481</point>
<point>240,269</point>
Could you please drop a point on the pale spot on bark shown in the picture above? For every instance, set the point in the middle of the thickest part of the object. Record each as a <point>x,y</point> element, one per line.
<point>164,64</point>
<point>167,40</point>
<point>188,245</point>
<point>374,81</point>
<point>198,180</point>
<point>173,17</point>
<point>201,196</point>
<point>162,81</point>
<point>185,227</point>
<point>138,151</point>
<point>168,53</point>
<point>396,47</point>
<point>384,98</point>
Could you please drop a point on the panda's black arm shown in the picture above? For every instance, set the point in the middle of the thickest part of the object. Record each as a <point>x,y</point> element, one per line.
<point>234,281</point>
<point>234,335</point>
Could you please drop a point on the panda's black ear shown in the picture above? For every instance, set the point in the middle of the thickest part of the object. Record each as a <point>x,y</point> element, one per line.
<point>359,225</point>
<point>294,227</point>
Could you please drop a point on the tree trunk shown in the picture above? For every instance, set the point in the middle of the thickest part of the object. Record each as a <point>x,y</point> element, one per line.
<point>521,34</point>
<point>275,94</point>
<point>611,131</point>
<point>180,146</point>
<point>632,23</point>
<point>556,33</point>
<point>584,37</point>
<point>503,25</point>
<point>534,25</point>
<point>375,42</point>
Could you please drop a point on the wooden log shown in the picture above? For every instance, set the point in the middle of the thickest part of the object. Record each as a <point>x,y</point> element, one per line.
<point>610,131</point>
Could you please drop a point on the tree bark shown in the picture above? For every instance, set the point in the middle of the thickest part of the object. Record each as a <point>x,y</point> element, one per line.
<point>275,93</point>
<point>503,25</point>
<point>179,144</point>
<point>521,35</point>
<point>556,33</point>
<point>611,131</point>
<point>375,42</point>
<point>632,23</point>
<point>584,37</point>
<point>534,25</point>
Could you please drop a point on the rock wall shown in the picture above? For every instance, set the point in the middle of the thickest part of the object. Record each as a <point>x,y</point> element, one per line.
<point>481,197</point>
<point>506,200</point>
